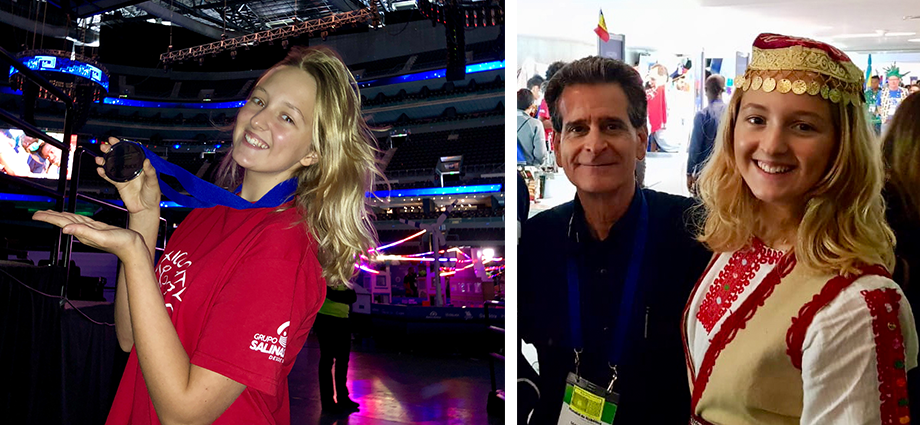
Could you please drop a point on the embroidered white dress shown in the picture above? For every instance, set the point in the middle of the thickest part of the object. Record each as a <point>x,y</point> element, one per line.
<point>749,364</point>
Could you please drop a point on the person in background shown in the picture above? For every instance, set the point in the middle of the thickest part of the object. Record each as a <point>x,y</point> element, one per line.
<point>52,155</point>
<point>871,103</point>
<point>914,88</point>
<point>39,162</point>
<point>410,282</point>
<point>796,319</point>
<point>535,85</point>
<point>890,97</point>
<point>531,147</point>
<point>658,109</point>
<point>902,155</point>
<point>705,128</point>
<point>13,156</point>
<point>543,110</point>
<point>334,334</point>
<point>530,142</point>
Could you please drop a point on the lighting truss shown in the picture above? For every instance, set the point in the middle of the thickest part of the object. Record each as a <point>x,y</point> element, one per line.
<point>312,26</point>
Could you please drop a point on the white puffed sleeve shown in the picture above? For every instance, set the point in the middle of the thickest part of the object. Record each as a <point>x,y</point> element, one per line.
<point>856,354</point>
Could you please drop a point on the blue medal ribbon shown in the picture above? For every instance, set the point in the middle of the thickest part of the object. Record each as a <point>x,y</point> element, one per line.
<point>207,195</point>
<point>617,344</point>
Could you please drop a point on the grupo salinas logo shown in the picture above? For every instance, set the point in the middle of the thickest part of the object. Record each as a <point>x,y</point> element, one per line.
<point>272,345</point>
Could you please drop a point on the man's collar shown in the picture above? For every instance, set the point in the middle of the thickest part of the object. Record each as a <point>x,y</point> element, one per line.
<point>581,232</point>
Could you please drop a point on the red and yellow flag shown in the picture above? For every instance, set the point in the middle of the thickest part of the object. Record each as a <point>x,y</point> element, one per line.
<point>601,29</point>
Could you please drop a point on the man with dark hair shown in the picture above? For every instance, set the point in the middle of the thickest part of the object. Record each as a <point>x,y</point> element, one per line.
<point>605,294</point>
<point>531,145</point>
<point>535,85</point>
<point>705,128</point>
<point>871,98</point>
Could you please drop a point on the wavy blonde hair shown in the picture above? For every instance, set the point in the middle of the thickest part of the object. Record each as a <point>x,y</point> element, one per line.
<point>844,224</point>
<point>330,194</point>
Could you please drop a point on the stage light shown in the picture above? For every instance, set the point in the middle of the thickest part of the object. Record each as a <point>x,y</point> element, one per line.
<point>92,141</point>
<point>175,146</point>
<point>217,147</point>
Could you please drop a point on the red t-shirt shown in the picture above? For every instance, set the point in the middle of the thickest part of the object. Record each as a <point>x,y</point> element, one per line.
<point>242,288</point>
<point>543,114</point>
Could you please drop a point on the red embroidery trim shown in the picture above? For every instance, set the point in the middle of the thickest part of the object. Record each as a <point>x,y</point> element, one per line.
<point>683,318</point>
<point>736,322</point>
<point>731,281</point>
<point>889,351</point>
<point>795,336</point>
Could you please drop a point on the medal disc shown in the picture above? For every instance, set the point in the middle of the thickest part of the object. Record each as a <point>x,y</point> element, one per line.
<point>124,161</point>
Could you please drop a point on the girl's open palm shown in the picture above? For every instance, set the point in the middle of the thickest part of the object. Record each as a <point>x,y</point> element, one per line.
<point>96,234</point>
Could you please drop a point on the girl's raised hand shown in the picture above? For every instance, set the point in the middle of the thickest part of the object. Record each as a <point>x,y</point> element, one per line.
<point>140,194</point>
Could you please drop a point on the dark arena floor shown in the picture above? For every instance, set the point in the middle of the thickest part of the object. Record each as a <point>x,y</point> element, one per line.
<point>397,388</point>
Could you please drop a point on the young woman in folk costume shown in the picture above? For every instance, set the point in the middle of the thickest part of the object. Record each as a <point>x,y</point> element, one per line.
<point>796,320</point>
<point>242,287</point>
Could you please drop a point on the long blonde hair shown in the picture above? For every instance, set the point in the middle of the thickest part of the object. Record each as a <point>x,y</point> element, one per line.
<point>330,194</point>
<point>844,224</point>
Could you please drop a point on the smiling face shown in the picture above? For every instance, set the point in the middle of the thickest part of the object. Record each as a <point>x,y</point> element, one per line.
<point>599,146</point>
<point>783,145</point>
<point>274,129</point>
<point>51,153</point>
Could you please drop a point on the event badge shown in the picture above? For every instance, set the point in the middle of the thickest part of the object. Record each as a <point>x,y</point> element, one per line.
<point>587,404</point>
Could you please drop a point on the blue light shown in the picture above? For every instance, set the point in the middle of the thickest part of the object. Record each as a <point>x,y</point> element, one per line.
<point>24,198</point>
<point>175,146</point>
<point>429,75</point>
<point>92,141</point>
<point>172,105</point>
<point>39,198</point>
<point>216,146</point>
<point>65,66</point>
<point>439,191</point>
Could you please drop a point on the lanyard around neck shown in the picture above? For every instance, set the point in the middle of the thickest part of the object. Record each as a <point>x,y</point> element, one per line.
<point>625,314</point>
<point>206,195</point>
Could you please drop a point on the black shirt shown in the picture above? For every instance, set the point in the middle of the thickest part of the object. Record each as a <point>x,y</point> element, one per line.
<point>652,379</point>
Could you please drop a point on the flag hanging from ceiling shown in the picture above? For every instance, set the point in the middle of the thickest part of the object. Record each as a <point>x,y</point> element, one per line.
<point>601,29</point>
<point>869,70</point>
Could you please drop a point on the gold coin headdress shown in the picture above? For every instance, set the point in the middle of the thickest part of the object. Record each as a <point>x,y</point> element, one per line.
<point>802,66</point>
